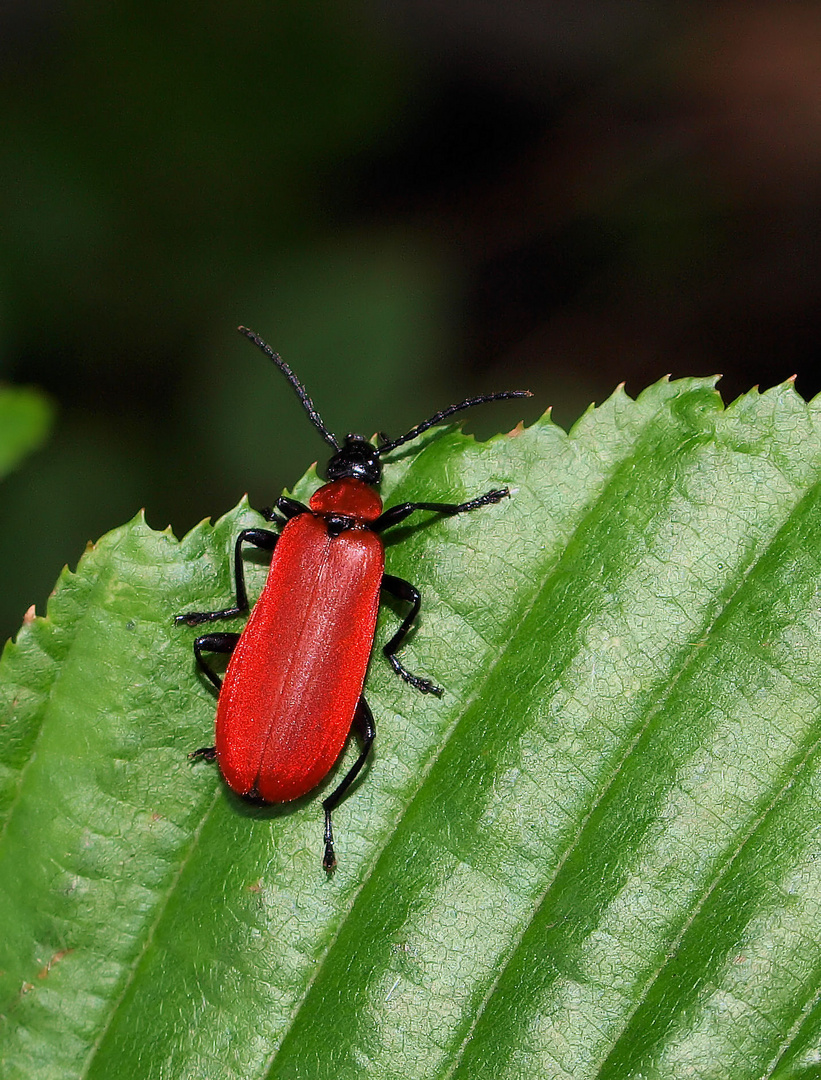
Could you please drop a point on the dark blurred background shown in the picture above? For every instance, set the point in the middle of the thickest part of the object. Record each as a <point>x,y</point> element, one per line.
<point>412,201</point>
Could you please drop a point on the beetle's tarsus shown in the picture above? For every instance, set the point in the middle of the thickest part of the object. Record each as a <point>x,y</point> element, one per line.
<point>424,686</point>
<point>329,858</point>
<point>205,753</point>
<point>193,618</point>
<point>428,687</point>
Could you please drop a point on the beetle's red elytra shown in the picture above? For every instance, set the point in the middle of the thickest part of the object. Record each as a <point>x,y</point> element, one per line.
<point>319,589</point>
<point>293,686</point>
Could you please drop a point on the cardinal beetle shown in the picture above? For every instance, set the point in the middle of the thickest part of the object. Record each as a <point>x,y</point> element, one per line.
<point>293,685</point>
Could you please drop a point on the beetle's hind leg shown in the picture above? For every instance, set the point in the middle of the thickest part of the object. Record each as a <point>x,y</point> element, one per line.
<point>403,590</point>
<point>363,722</point>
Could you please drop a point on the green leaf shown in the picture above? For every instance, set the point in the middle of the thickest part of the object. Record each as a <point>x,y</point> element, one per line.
<point>598,855</point>
<point>25,417</point>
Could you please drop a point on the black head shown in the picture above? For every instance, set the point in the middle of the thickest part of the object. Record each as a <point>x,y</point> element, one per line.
<point>357,459</point>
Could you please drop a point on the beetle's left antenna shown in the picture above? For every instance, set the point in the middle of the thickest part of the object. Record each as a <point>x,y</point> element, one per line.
<point>302,393</point>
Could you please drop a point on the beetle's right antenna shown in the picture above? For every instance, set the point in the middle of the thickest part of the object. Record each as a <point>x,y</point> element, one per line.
<point>444,413</point>
<point>302,393</point>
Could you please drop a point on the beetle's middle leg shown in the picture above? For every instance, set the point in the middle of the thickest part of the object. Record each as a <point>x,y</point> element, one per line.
<point>403,590</point>
<point>215,643</point>
<point>363,722</point>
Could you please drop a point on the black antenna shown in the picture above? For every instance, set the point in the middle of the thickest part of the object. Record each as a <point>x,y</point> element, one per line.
<point>302,393</point>
<point>451,409</point>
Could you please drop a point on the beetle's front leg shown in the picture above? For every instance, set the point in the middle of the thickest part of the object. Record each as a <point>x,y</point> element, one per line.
<point>398,513</point>
<point>261,538</point>
<point>403,590</point>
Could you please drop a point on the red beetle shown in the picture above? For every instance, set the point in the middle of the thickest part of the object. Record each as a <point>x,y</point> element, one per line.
<point>293,685</point>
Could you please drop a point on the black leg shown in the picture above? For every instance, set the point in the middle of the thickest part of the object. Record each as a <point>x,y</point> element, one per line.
<point>289,508</point>
<point>403,590</point>
<point>217,643</point>
<point>398,513</point>
<point>205,753</point>
<point>261,538</point>
<point>363,722</point>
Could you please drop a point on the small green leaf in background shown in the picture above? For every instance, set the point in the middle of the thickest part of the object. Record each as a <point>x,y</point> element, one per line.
<point>599,855</point>
<point>25,417</point>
